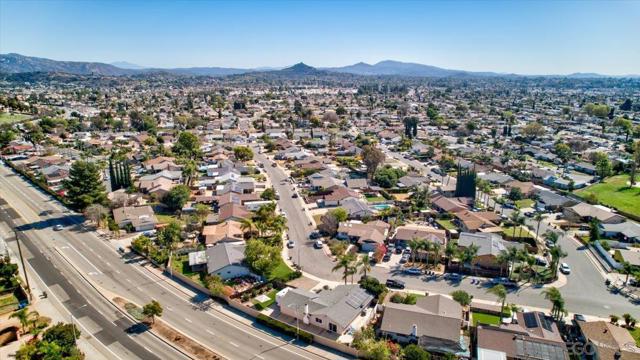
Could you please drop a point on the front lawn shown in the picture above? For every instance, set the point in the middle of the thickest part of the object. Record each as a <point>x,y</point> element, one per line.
<point>483,318</point>
<point>514,232</point>
<point>615,192</point>
<point>446,224</point>
<point>180,263</point>
<point>281,272</point>
<point>524,203</point>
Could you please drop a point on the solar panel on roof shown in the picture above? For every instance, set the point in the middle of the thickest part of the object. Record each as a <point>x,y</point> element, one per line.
<point>530,320</point>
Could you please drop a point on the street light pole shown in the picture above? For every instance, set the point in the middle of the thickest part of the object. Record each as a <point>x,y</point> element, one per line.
<point>24,269</point>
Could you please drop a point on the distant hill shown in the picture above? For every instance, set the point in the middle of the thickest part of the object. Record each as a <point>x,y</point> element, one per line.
<point>16,63</point>
<point>127,65</point>
<point>390,67</point>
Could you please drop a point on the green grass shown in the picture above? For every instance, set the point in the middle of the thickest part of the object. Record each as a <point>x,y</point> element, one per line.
<point>374,199</point>
<point>263,305</point>
<point>515,232</point>
<point>181,265</point>
<point>166,218</point>
<point>447,224</point>
<point>524,203</point>
<point>615,192</point>
<point>281,272</point>
<point>483,318</point>
<point>8,303</point>
<point>6,118</point>
<point>636,335</point>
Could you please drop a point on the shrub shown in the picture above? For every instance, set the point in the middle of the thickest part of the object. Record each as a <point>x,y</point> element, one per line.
<point>397,298</point>
<point>284,328</point>
<point>410,299</point>
<point>372,285</point>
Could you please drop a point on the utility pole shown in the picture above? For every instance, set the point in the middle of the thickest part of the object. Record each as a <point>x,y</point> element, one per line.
<point>24,269</point>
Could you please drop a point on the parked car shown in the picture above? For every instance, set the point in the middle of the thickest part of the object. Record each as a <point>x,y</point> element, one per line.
<point>386,257</point>
<point>550,244</point>
<point>579,317</point>
<point>412,271</point>
<point>58,227</point>
<point>529,214</point>
<point>398,250</point>
<point>397,284</point>
<point>453,277</point>
<point>291,244</point>
<point>274,165</point>
<point>404,258</point>
<point>318,244</point>
<point>565,268</point>
<point>294,196</point>
<point>504,281</point>
<point>121,250</point>
<point>315,235</point>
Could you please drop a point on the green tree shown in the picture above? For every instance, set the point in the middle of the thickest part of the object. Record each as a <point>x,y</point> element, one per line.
<point>151,310</point>
<point>462,297</point>
<point>260,257</point>
<point>556,253</point>
<point>187,145</point>
<point>415,352</point>
<point>563,151</point>
<point>268,194</point>
<point>345,262</point>
<point>177,197</point>
<point>557,302</point>
<point>170,234</point>
<point>243,153</point>
<point>364,264</point>
<point>202,211</point>
<point>84,185</point>
<point>501,293</point>
<point>7,135</point>
<point>635,162</point>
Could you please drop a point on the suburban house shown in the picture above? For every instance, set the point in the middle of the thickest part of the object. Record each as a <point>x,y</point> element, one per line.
<point>610,341</point>
<point>229,211</point>
<point>229,231</point>
<point>584,212</point>
<point>444,204</point>
<point>627,231</point>
<point>490,245</point>
<point>473,221</point>
<point>142,218</point>
<point>338,194</point>
<point>553,201</point>
<point>161,163</point>
<point>527,188</point>
<point>533,336</point>
<point>368,236</point>
<point>433,323</point>
<point>225,260</point>
<point>406,233</point>
<point>356,208</point>
<point>332,310</point>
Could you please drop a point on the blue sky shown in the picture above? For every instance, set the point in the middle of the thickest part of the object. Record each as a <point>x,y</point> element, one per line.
<point>526,37</point>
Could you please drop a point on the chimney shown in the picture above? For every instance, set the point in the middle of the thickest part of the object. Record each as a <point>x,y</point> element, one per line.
<point>414,330</point>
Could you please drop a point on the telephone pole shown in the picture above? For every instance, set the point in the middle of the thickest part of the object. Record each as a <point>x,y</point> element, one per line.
<point>24,269</point>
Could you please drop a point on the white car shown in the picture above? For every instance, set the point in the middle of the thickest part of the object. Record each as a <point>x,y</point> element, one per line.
<point>58,227</point>
<point>318,244</point>
<point>565,268</point>
<point>291,244</point>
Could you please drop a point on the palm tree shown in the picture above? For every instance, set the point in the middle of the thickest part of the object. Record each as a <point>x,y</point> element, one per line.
<point>436,247</point>
<point>557,302</point>
<point>450,251</point>
<point>345,262</point>
<point>538,217</point>
<point>247,226</point>
<point>24,316</point>
<point>626,269</point>
<point>365,264</point>
<point>427,246</point>
<point>501,293</point>
<point>414,245</point>
<point>468,254</point>
<point>551,236</point>
<point>556,254</point>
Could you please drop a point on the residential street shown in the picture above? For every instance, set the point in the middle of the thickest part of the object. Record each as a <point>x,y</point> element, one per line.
<point>196,316</point>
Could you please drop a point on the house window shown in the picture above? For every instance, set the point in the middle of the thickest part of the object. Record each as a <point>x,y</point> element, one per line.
<point>333,327</point>
<point>318,320</point>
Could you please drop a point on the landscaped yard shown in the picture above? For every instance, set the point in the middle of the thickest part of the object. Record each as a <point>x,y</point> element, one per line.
<point>6,118</point>
<point>8,303</point>
<point>524,203</point>
<point>263,305</point>
<point>281,272</point>
<point>374,199</point>
<point>615,192</point>
<point>483,318</point>
<point>180,263</point>
<point>513,232</point>
<point>446,224</point>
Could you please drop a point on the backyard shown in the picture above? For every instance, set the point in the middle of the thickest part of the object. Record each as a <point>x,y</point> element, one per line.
<point>515,232</point>
<point>615,192</point>
<point>524,203</point>
<point>636,335</point>
<point>484,318</point>
<point>446,224</point>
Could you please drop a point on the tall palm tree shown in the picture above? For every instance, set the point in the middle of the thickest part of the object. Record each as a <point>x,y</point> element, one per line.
<point>450,251</point>
<point>501,293</point>
<point>436,247</point>
<point>414,245</point>
<point>247,226</point>
<point>551,236</point>
<point>557,302</point>
<point>427,246</point>
<point>538,217</point>
<point>365,265</point>
<point>468,254</point>
<point>345,262</point>
<point>556,254</point>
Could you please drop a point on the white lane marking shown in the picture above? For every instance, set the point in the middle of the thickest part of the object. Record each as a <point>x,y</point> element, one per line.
<point>210,332</point>
<point>85,259</point>
<point>234,344</point>
<point>258,356</point>
<point>188,320</point>
<point>129,280</point>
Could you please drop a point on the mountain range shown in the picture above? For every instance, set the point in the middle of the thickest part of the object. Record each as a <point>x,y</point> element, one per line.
<point>15,63</point>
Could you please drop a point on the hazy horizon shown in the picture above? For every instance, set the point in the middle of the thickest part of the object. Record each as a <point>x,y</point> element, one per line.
<point>528,38</point>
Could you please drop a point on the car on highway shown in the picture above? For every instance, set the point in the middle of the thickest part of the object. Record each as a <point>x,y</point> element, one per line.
<point>396,284</point>
<point>565,268</point>
<point>318,244</point>
<point>412,271</point>
<point>291,244</point>
<point>58,227</point>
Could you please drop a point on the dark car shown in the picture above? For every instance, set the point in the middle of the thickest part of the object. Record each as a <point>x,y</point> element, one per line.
<point>274,165</point>
<point>315,235</point>
<point>294,196</point>
<point>399,250</point>
<point>386,257</point>
<point>397,284</point>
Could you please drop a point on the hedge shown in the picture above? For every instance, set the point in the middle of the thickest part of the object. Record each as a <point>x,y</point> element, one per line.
<point>285,328</point>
